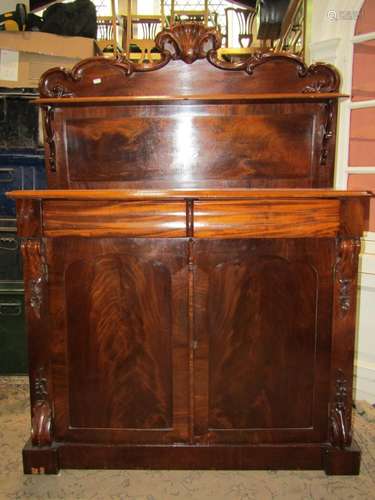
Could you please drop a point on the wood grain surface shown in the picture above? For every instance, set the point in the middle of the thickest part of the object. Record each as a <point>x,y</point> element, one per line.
<point>182,194</point>
<point>148,218</point>
<point>119,309</point>
<point>266,219</point>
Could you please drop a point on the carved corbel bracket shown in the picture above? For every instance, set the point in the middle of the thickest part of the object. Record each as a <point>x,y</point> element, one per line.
<point>346,265</point>
<point>41,420</point>
<point>328,133</point>
<point>49,114</point>
<point>36,274</point>
<point>340,425</point>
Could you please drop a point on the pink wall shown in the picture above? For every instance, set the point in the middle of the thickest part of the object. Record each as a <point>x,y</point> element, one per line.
<point>364,182</point>
<point>366,18</point>
<point>362,122</point>
<point>362,137</point>
<point>364,70</point>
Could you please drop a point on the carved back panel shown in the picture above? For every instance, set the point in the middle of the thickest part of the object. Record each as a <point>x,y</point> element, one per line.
<point>190,119</point>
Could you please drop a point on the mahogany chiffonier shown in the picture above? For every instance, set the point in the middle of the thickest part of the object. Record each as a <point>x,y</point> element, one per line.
<point>190,275</point>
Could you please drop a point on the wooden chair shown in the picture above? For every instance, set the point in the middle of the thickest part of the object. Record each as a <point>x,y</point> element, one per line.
<point>107,36</point>
<point>244,19</point>
<point>180,15</point>
<point>141,31</point>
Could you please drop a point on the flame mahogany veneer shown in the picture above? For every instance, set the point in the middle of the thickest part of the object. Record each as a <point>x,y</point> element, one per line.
<point>190,299</point>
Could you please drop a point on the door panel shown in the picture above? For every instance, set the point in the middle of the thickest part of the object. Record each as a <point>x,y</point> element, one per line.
<point>121,337</point>
<point>262,321</point>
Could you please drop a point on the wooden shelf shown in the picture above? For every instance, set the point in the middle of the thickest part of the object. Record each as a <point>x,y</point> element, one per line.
<point>206,98</point>
<point>178,194</point>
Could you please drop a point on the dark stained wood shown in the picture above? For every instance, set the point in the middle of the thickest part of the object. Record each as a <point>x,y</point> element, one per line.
<point>343,334</point>
<point>262,144</point>
<point>155,219</point>
<point>189,99</point>
<point>262,310</point>
<point>197,194</point>
<point>202,214</point>
<point>265,219</point>
<point>120,309</point>
<point>189,61</point>
<point>36,300</point>
<point>164,352</point>
<point>190,275</point>
<point>112,123</point>
<point>28,217</point>
<point>343,462</point>
<point>227,219</point>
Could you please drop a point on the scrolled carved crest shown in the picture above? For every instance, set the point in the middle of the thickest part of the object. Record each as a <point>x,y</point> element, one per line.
<point>324,78</point>
<point>315,78</point>
<point>60,82</point>
<point>188,41</point>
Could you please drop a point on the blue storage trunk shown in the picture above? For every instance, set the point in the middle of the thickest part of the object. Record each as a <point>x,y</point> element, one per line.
<point>19,169</point>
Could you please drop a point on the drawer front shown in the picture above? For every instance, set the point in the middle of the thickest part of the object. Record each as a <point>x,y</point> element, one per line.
<point>13,352</point>
<point>111,218</point>
<point>10,258</point>
<point>266,219</point>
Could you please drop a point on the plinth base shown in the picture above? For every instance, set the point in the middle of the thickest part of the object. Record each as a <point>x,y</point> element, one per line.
<point>49,460</point>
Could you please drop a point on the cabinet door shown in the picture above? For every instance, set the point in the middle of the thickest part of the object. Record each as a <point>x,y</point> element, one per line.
<point>118,310</point>
<point>262,336</point>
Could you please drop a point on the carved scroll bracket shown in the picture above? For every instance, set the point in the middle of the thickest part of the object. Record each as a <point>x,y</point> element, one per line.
<point>328,133</point>
<point>50,136</point>
<point>323,78</point>
<point>340,428</point>
<point>41,421</point>
<point>346,266</point>
<point>36,274</point>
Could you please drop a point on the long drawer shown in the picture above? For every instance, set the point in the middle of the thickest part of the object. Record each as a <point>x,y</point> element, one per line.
<point>13,350</point>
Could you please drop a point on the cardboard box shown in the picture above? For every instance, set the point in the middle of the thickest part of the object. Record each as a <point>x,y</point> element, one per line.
<point>25,56</point>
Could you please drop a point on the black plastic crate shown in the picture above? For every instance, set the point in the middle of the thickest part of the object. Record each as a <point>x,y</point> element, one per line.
<point>10,257</point>
<point>19,123</point>
<point>13,343</point>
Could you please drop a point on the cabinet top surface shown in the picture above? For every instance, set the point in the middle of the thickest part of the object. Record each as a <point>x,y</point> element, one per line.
<point>163,99</point>
<point>182,194</point>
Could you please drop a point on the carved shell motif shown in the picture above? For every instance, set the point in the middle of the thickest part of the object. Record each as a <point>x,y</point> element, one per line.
<point>188,41</point>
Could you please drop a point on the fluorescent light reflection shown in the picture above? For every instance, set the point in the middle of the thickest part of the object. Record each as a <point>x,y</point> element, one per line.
<point>186,148</point>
